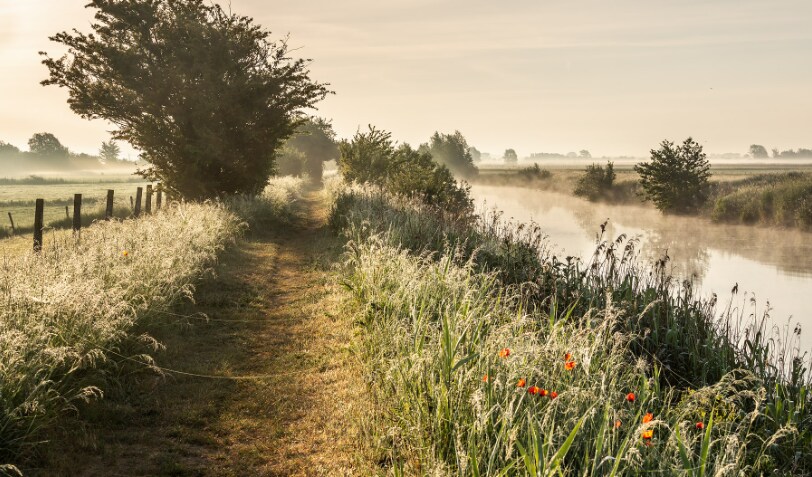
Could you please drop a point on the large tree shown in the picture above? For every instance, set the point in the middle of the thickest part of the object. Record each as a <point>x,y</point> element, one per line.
<point>758,151</point>
<point>316,141</point>
<point>109,152</point>
<point>204,94</point>
<point>46,145</point>
<point>452,151</point>
<point>678,177</point>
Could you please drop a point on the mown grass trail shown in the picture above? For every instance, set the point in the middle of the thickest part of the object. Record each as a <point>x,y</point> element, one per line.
<point>274,311</point>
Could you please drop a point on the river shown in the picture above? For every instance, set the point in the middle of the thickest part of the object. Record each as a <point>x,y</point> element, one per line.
<point>772,267</point>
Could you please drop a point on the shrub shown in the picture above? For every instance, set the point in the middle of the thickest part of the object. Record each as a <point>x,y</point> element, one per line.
<point>596,181</point>
<point>677,178</point>
<point>534,172</point>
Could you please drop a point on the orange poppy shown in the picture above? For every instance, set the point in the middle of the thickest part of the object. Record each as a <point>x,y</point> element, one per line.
<point>533,390</point>
<point>485,378</point>
<point>648,434</point>
<point>553,395</point>
<point>567,357</point>
<point>522,382</point>
<point>630,397</point>
<point>648,417</point>
<point>125,253</point>
<point>504,353</point>
<point>544,393</point>
<point>569,365</point>
<point>617,423</point>
<point>700,425</point>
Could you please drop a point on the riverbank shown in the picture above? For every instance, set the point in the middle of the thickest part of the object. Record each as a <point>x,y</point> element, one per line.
<point>767,195</point>
<point>486,354</point>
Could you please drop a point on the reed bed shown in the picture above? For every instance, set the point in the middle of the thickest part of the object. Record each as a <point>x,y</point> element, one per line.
<point>70,314</point>
<point>489,356</point>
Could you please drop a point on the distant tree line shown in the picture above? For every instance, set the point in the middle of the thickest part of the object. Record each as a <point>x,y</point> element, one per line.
<point>46,151</point>
<point>758,151</point>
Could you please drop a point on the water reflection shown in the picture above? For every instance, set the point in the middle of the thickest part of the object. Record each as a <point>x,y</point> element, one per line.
<point>775,265</point>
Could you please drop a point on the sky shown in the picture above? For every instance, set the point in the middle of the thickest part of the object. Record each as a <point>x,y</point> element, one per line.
<point>615,78</point>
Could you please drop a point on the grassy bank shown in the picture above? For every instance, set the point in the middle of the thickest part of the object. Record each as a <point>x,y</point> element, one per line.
<point>782,199</point>
<point>70,313</point>
<point>489,356</point>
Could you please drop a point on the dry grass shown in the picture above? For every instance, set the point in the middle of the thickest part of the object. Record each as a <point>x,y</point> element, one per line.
<point>275,311</point>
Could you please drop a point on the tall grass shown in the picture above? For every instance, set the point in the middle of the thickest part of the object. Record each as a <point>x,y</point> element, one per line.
<point>773,199</point>
<point>440,298</point>
<point>66,314</point>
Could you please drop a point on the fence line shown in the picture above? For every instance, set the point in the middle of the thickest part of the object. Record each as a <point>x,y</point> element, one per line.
<point>39,210</point>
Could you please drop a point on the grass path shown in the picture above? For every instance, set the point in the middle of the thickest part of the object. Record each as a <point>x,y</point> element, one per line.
<point>275,311</point>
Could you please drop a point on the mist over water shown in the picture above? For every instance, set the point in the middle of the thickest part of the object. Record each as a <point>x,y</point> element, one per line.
<point>773,266</point>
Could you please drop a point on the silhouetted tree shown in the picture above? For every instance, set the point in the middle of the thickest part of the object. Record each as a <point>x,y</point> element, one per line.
<point>677,178</point>
<point>476,156</point>
<point>452,151</point>
<point>316,141</point>
<point>584,154</point>
<point>595,181</point>
<point>204,94</point>
<point>109,152</point>
<point>758,152</point>
<point>46,145</point>
<point>6,148</point>
<point>510,156</point>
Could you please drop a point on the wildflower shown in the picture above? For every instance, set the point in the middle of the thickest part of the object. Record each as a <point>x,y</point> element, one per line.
<point>553,395</point>
<point>504,353</point>
<point>617,423</point>
<point>544,393</point>
<point>125,253</point>
<point>567,356</point>
<point>630,397</point>
<point>648,434</point>
<point>648,417</point>
<point>533,390</point>
<point>569,365</point>
<point>485,378</point>
<point>522,382</point>
<point>700,425</point>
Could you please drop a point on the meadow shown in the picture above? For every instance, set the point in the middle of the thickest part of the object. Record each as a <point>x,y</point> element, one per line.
<point>488,355</point>
<point>75,318</point>
<point>17,197</point>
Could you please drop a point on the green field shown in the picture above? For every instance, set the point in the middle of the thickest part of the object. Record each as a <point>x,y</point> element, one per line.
<point>19,200</point>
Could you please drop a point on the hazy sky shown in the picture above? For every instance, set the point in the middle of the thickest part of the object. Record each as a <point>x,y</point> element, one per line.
<point>539,76</point>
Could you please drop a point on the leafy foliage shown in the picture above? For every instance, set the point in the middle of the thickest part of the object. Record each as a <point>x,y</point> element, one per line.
<point>510,156</point>
<point>452,151</point>
<point>677,178</point>
<point>315,140</point>
<point>758,152</point>
<point>203,93</point>
<point>46,145</point>
<point>596,181</point>
<point>109,151</point>
<point>372,158</point>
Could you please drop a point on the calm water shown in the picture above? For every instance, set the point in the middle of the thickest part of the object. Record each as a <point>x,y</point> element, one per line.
<point>772,266</point>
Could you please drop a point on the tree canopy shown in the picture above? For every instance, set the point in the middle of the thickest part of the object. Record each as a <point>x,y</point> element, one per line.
<point>758,152</point>
<point>46,145</point>
<point>452,151</point>
<point>511,156</point>
<point>109,151</point>
<point>677,178</point>
<point>204,94</point>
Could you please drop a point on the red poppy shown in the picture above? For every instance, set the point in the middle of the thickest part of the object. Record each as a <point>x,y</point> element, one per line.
<point>504,353</point>
<point>648,417</point>
<point>700,425</point>
<point>553,395</point>
<point>544,393</point>
<point>522,382</point>
<point>630,397</point>
<point>567,357</point>
<point>569,365</point>
<point>533,390</point>
<point>485,378</point>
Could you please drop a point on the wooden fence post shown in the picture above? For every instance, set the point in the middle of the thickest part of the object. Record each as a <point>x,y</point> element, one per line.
<point>158,197</point>
<point>138,192</point>
<point>67,214</point>
<point>148,204</point>
<point>77,212</point>
<point>11,219</point>
<point>108,212</point>
<point>38,213</point>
